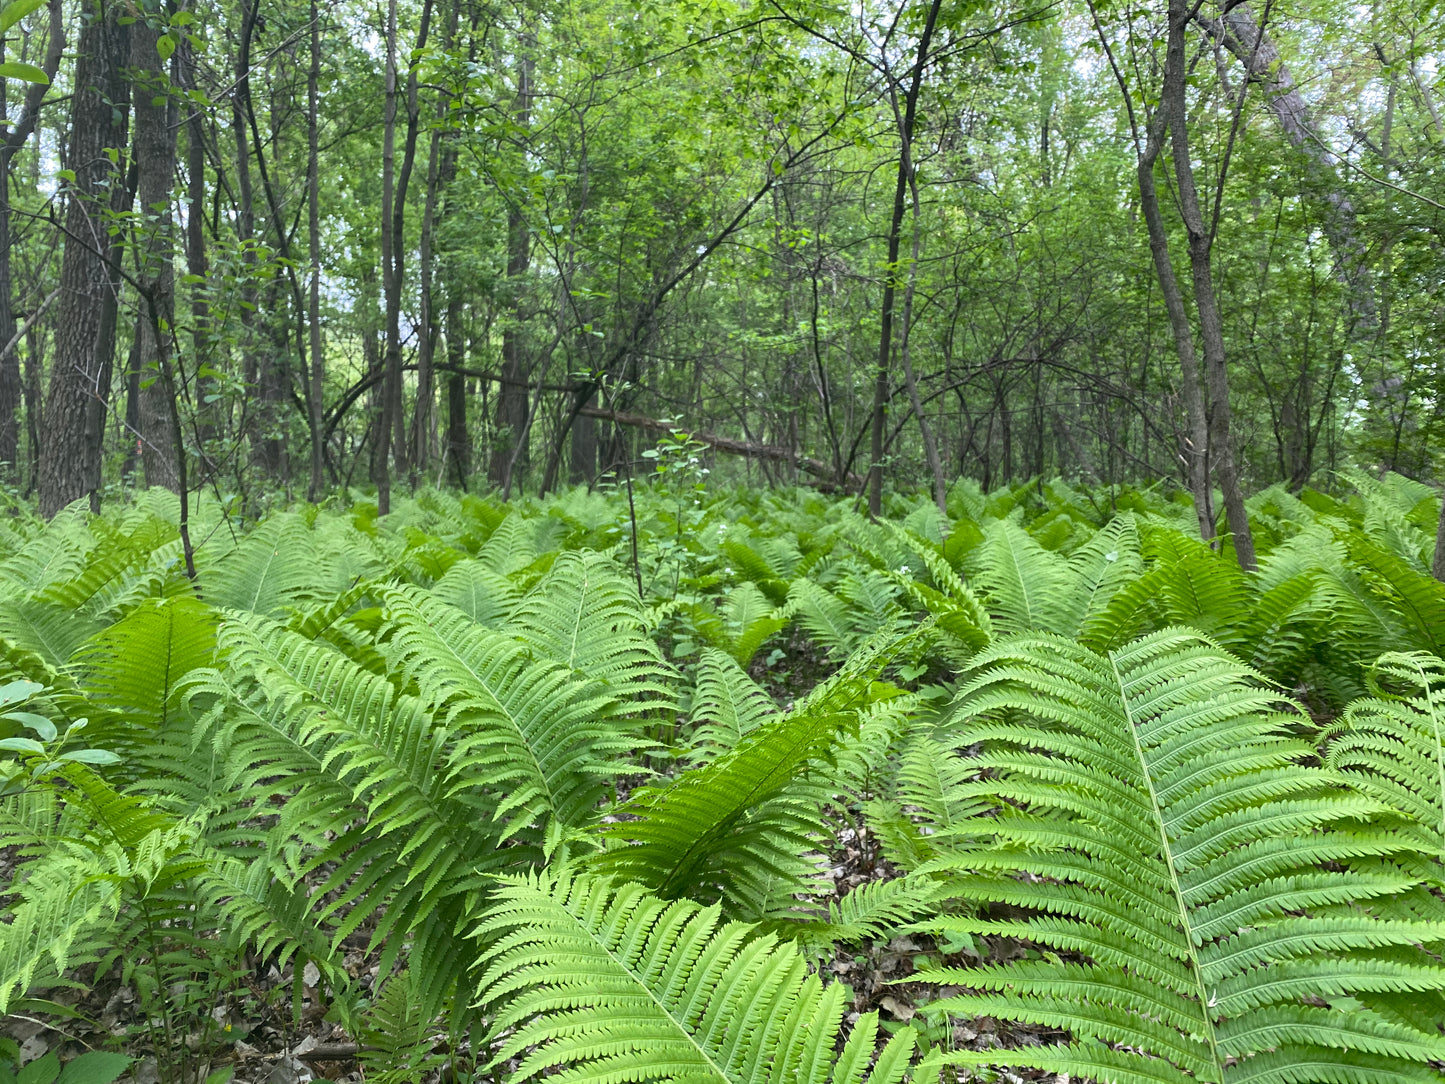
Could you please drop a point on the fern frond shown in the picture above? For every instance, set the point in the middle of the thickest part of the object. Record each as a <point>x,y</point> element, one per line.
<point>614,984</point>
<point>586,617</point>
<point>737,829</point>
<point>1167,827</point>
<point>1027,586</point>
<point>1392,745</point>
<point>726,706</point>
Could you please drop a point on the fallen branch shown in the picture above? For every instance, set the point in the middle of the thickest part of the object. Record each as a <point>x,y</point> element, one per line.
<point>753,450</point>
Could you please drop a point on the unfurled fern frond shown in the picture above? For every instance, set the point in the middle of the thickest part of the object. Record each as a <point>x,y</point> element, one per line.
<point>1106,563</point>
<point>752,620</point>
<point>726,706</point>
<point>586,617</point>
<point>538,736</point>
<point>135,666</point>
<point>1223,900</point>
<point>50,630</point>
<point>87,855</point>
<point>398,1033</point>
<point>611,984</point>
<point>478,590</point>
<point>738,828</point>
<point>1414,597</point>
<point>1392,745</point>
<point>273,567</point>
<point>874,911</point>
<point>956,610</point>
<point>1027,586</point>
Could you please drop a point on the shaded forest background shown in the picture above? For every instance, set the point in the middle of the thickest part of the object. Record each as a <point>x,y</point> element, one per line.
<point>270,248</point>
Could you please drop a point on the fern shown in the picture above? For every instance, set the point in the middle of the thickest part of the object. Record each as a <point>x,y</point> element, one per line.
<point>726,706</point>
<point>586,617</point>
<point>737,829</point>
<point>1218,887</point>
<point>1392,745</point>
<point>613,984</point>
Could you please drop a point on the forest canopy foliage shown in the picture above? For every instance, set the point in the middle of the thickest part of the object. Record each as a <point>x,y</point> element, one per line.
<point>727,785</point>
<point>262,247</point>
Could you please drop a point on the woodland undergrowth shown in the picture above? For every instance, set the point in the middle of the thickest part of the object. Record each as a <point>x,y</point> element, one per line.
<point>742,786</point>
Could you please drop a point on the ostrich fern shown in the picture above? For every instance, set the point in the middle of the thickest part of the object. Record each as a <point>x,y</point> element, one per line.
<point>613,984</point>
<point>1224,908</point>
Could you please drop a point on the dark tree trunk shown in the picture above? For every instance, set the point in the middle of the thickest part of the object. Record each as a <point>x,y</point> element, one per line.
<point>196,264</point>
<point>70,459</point>
<point>315,401</point>
<point>11,140</point>
<point>511,456</point>
<point>882,377</point>
<point>459,440</point>
<point>1206,302</point>
<point>153,244</point>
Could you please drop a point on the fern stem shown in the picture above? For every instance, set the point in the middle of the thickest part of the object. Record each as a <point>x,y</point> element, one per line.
<point>1167,853</point>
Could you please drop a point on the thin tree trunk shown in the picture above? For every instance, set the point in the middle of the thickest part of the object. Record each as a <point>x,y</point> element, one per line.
<point>511,457</point>
<point>196,265</point>
<point>890,280</point>
<point>1206,302</point>
<point>391,290</point>
<point>313,230</point>
<point>256,414</point>
<point>79,390</point>
<point>11,140</point>
<point>152,244</point>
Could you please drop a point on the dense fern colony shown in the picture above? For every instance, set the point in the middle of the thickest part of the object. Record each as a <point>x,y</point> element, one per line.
<point>579,785</point>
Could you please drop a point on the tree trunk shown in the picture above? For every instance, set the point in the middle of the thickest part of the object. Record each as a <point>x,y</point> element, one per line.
<point>510,457</point>
<point>890,279</point>
<point>1206,302</point>
<point>391,290</point>
<point>1241,35</point>
<point>11,140</point>
<point>258,423</point>
<point>153,244</point>
<point>70,458</point>
<point>316,401</point>
<point>424,426</point>
<point>196,266</point>
<point>459,440</point>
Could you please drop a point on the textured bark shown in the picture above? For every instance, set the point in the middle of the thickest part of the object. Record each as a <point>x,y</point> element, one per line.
<point>256,415</point>
<point>1206,302</point>
<point>11,140</point>
<point>196,263</point>
<point>511,457</point>
<point>459,439</point>
<point>153,248</point>
<point>79,387</point>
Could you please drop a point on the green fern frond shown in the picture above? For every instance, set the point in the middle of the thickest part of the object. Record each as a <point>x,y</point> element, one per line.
<point>614,984</point>
<point>726,706</point>
<point>478,590</point>
<point>273,567</point>
<point>1392,745</point>
<point>1027,586</point>
<point>586,617</point>
<point>873,911</point>
<point>737,829</point>
<point>52,631</point>
<point>1158,820</point>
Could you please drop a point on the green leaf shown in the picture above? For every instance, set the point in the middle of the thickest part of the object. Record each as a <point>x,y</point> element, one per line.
<point>29,73</point>
<point>166,47</point>
<point>17,692</point>
<point>99,1067</point>
<point>91,756</point>
<point>40,1071</point>
<point>12,13</point>
<point>22,745</point>
<point>38,723</point>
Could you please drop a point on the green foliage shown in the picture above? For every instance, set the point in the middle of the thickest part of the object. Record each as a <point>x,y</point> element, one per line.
<point>612,983</point>
<point>1218,897</point>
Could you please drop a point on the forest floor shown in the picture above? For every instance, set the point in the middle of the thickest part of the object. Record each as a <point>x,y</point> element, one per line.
<point>254,1030</point>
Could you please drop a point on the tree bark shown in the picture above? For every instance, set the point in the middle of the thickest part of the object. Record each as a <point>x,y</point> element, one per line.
<point>258,421</point>
<point>391,290</point>
<point>153,247</point>
<point>1206,302</point>
<point>70,458</point>
<point>890,279</point>
<point>196,265</point>
<point>511,457</point>
<point>11,140</point>
<point>315,401</point>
